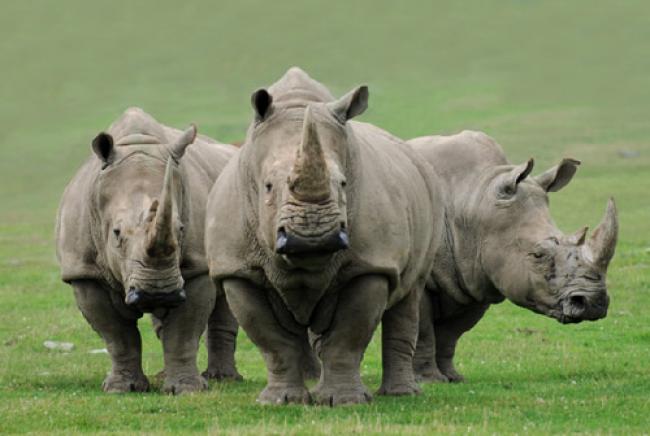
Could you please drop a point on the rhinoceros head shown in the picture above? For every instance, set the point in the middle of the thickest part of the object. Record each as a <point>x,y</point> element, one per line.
<point>138,201</point>
<point>299,166</point>
<point>529,259</point>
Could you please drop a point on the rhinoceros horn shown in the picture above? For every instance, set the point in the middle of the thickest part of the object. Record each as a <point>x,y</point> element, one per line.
<point>161,236</point>
<point>178,147</point>
<point>309,180</point>
<point>602,242</point>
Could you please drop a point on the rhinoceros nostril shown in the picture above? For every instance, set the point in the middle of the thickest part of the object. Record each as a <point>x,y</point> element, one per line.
<point>281,241</point>
<point>578,301</point>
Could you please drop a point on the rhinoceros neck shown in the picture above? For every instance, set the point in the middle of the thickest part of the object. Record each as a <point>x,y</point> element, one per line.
<point>458,271</point>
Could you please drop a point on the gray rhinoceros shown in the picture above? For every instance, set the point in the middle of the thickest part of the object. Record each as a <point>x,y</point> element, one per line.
<point>130,240</point>
<point>327,225</point>
<point>502,243</point>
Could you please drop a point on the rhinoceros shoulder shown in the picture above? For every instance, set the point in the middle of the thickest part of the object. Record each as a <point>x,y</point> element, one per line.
<point>75,248</point>
<point>395,181</point>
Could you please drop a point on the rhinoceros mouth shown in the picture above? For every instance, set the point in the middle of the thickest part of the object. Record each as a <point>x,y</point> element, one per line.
<point>293,244</point>
<point>148,301</point>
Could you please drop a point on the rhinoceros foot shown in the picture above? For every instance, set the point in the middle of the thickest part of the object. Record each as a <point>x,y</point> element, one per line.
<point>335,395</point>
<point>219,373</point>
<point>125,381</point>
<point>430,375</point>
<point>448,370</point>
<point>184,385</point>
<point>284,395</point>
<point>399,388</point>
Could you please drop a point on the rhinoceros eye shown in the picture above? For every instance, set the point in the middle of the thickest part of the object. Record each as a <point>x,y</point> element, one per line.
<point>268,187</point>
<point>344,183</point>
<point>117,232</point>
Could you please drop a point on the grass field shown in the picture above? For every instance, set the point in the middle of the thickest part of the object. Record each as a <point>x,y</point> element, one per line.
<point>547,79</point>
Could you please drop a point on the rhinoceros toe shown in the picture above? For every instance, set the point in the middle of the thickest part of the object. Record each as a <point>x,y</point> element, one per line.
<point>121,382</point>
<point>284,395</point>
<point>430,375</point>
<point>399,388</point>
<point>341,394</point>
<point>184,385</point>
<point>449,371</point>
<point>218,373</point>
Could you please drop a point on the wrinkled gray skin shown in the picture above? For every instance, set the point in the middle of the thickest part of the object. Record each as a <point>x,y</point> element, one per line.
<point>130,240</point>
<point>324,226</point>
<point>502,243</point>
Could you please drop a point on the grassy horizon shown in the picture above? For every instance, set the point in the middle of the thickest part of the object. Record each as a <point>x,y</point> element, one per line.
<point>546,79</point>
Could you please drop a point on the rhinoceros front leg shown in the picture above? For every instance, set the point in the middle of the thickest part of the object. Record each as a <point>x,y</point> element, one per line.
<point>221,342</point>
<point>180,335</point>
<point>282,349</point>
<point>359,309</point>
<point>119,330</point>
<point>447,334</point>
<point>424,361</point>
<point>398,339</point>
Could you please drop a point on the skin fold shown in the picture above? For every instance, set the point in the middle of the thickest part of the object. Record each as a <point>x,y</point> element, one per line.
<point>319,229</point>
<point>500,242</point>
<point>130,240</point>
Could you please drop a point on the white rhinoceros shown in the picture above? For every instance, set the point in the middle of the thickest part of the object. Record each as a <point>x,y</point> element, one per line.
<point>502,243</point>
<point>130,240</point>
<point>328,225</point>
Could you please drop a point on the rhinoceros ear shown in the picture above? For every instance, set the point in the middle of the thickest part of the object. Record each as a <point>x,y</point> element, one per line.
<point>187,138</point>
<point>559,176</point>
<point>262,102</point>
<point>516,176</point>
<point>350,105</point>
<point>103,147</point>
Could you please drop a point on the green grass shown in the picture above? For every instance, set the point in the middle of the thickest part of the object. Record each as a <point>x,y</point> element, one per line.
<point>546,79</point>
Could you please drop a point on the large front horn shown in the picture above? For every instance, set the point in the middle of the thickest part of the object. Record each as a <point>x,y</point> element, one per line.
<point>309,180</point>
<point>602,243</point>
<point>162,235</point>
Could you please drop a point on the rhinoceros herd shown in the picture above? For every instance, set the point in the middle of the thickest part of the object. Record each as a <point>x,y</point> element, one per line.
<point>308,236</point>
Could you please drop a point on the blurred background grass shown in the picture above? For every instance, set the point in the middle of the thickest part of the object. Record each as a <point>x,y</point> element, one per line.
<point>547,79</point>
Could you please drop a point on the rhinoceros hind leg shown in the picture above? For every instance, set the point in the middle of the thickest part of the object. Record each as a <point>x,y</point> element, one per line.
<point>180,334</point>
<point>424,361</point>
<point>447,334</point>
<point>221,341</point>
<point>119,329</point>
<point>360,307</point>
<point>282,349</point>
<point>399,336</point>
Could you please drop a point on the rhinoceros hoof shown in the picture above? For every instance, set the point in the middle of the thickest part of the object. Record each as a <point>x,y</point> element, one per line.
<point>222,374</point>
<point>453,376</point>
<point>184,385</point>
<point>341,394</point>
<point>125,382</point>
<point>280,395</point>
<point>447,368</point>
<point>430,375</point>
<point>399,388</point>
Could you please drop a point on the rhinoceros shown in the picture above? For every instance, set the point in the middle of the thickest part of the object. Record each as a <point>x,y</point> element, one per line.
<point>502,243</point>
<point>130,240</point>
<point>328,226</point>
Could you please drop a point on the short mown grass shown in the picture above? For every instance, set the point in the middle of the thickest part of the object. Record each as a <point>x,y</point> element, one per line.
<point>546,79</point>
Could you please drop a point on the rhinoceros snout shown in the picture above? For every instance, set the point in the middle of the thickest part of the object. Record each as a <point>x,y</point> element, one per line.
<point>146,301</point>
<point>290,243</point>
<point>579,307</point>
